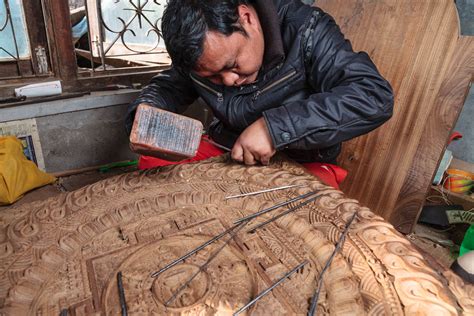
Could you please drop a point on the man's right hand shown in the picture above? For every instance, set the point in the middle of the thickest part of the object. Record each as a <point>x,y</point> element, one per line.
<point>254,144</point>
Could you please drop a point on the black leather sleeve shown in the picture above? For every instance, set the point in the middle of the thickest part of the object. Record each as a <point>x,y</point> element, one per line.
<point>352,99</point>
<point>170,90</point>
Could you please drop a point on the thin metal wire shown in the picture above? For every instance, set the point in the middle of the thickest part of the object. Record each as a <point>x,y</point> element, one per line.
<point>233,231</point>
<point>237,223</point>
<point>123,302</point>
<point>205,264</point>
<point>274,207</point>
<point>263,191</point>
<point>189,254</point>
<point>294,208</point>
<point>265,292</point>
<point>340,242</point>
<point>210,141</point>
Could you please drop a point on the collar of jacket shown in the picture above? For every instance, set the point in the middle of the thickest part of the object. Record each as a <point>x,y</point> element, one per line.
<point>270,22</point>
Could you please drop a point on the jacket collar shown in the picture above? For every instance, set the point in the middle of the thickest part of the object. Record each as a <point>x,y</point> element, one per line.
<point>270,22</point>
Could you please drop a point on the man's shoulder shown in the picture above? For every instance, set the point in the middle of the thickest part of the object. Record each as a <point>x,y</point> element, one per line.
<point>292,11</point>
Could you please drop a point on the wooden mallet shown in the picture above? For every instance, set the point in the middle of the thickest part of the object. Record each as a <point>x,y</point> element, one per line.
<point>164,134</point>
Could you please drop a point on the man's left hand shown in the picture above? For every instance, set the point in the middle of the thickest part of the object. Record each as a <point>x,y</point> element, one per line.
<point>254,144</point>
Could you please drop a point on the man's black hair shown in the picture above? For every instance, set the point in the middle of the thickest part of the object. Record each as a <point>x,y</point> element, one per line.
<point>186,22</point>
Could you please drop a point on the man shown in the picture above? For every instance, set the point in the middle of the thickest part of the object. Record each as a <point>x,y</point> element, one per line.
<point>278,75</point>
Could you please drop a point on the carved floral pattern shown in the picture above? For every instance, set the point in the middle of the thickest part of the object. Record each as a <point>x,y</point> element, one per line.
<point>64,252</point>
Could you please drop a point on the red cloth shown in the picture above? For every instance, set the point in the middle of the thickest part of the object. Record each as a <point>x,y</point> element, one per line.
<point>330,174</point>
<point>206,150</point>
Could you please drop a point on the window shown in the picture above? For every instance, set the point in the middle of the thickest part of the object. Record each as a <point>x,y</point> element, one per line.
<point>125,33</point>
<point>23,45</point>
<point>13,30</point>
<point>87,44</point>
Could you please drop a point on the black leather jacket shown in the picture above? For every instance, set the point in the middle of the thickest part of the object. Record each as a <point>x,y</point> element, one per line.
<point>313,90</point>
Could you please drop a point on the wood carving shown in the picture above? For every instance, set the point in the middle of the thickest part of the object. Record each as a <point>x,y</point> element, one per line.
<point>65,252</point>
<point>417,46</point>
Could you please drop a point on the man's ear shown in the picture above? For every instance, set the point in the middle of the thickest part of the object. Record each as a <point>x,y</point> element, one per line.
<point>247,15</point>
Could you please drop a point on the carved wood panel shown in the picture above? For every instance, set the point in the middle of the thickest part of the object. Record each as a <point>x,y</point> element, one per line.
<point>65,252</point>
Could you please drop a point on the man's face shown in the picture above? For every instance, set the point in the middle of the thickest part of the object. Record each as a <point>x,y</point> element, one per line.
<point>236,59</point>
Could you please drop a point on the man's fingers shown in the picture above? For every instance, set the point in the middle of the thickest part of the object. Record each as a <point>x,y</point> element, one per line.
<point>265,161</point>
<point>241,154</point>
<point>237,153</point>
<point>249,159</point>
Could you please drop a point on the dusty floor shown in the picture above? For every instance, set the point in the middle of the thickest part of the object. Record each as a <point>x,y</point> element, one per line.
<point>432,242</point>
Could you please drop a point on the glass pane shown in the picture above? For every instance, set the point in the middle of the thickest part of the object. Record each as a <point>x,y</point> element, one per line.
<point>133,24</point>
<point>14,42</point>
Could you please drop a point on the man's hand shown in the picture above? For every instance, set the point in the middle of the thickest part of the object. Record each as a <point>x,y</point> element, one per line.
<point>254,144</point>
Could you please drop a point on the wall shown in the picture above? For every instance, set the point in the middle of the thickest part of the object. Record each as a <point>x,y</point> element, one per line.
<point>84,138</point>
<point>86,131</point>
<point>464,148</point>
<point>80,132</point>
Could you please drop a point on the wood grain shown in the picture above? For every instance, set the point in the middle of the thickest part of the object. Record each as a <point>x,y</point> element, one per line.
<point>416,45</point>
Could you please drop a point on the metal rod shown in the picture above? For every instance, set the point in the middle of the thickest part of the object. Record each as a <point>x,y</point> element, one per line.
<point>189,254</point>
<point>263,191</point>
<point>123,302</point>
<point>265,292</point>
<point>205,264</point>
<point>340,242</point>
<point>210,141</point>
<point>89,38</point>
<point>271,208</point>
<point>294,208</point>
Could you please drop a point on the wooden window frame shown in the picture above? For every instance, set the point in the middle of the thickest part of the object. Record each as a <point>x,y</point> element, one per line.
<point>49,24</point>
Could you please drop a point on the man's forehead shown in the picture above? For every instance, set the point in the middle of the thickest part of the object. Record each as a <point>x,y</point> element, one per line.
<point>216,54</point>
<point>210,67</point>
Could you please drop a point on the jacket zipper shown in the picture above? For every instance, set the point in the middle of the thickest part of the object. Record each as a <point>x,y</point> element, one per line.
<point>284,78</point>
<point>220,96</point>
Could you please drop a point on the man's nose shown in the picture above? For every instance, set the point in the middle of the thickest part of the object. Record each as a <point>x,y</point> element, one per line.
<point>229,78</point>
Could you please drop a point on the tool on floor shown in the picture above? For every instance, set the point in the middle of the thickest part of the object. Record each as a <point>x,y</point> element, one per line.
<point>340,242</point>
<point>263,191</point>
<point>265,292</point>
<point>121,291</point>
<point>445,215</point>
<point>108,167</point>
<point>164,134</point>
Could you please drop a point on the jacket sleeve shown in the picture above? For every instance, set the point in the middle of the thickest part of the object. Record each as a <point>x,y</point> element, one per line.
<point>352,97</point>
<point>170,90</point>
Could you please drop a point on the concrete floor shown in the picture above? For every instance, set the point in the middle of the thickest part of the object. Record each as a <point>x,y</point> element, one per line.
<point>434,244</point>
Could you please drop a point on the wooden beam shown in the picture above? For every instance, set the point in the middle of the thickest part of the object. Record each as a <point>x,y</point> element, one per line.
<point>60,39</point>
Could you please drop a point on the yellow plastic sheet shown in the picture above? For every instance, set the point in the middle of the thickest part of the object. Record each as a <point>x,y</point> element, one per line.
<point>17,174</point>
